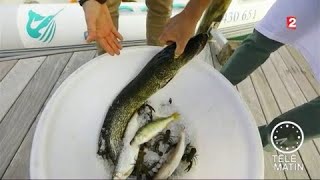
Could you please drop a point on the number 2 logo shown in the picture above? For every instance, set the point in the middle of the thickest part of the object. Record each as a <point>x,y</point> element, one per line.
<point>291,22</point>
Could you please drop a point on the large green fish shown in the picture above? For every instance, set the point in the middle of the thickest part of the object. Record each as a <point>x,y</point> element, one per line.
<point>213,15</point>
<point>154,76</point>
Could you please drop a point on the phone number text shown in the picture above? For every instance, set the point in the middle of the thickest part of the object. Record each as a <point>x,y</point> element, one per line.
<point>235,16</point>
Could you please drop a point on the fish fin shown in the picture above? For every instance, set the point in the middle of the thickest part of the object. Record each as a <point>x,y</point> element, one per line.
<point>35,16</point>
<point>176,116</point>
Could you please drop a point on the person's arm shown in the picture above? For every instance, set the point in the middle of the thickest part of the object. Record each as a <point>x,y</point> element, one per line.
<point>100,26</point>
<point>181,27</point>
<point>195,8</point>
<point>81,2</point>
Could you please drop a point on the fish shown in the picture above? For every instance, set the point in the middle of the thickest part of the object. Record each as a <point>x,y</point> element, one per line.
<point>129,153</point>
<point>156,74</point>
<point>173,159</point>
<point>150,130</point>
<point>213,15</point>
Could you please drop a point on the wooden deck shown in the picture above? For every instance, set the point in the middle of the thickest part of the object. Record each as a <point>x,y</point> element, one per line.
<point>283,82</point>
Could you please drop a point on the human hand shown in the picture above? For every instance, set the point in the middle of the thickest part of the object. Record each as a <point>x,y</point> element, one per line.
<point>101,28</point>
<point>179,29</point>
<point>182,27</point>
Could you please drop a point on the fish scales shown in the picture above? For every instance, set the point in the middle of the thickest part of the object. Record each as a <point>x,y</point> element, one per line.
<point>213,15</point>
<point>154,76</point>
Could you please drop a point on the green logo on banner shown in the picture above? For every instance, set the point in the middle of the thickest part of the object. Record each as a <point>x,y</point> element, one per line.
<point>40,27</point>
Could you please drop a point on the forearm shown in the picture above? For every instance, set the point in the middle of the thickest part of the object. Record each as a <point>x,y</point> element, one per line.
<point>195,8</point>
<point>82,2</point>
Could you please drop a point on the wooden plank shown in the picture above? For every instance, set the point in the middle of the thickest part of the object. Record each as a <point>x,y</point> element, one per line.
<point>18,120</point>
<point>248,93</point>
<point>19,167</point>
<point>308,151</point>
<point>39,49</point>
<point>270,110</point>
<point>76,61</point>
<point>300,61</point>
<point>295,70</point>
<point>284,103</point>
<point>287,79</point>
<point>303,76</point>
<point>31,54</point>
<point>15,81</point>
<point>277,87</point>
<point>45,53</point>
<point>304,68</point>
<point>265,95</point>
<point>5,67</point>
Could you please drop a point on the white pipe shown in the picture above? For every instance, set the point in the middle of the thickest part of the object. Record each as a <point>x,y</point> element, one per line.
<point>47,25</point>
